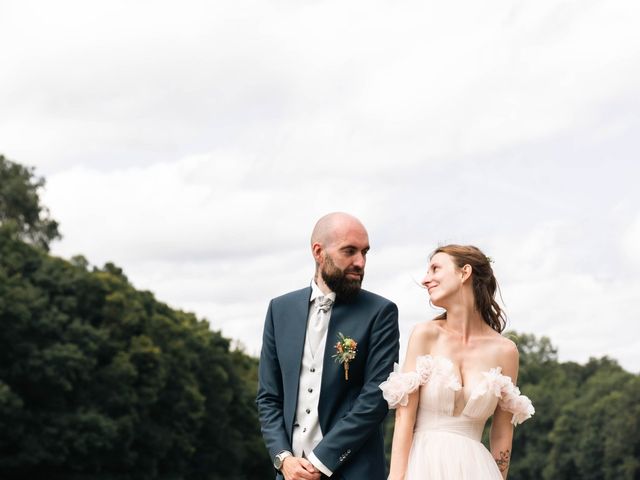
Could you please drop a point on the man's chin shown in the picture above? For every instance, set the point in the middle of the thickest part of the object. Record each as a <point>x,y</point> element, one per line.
<point>349,291</point>
<point>345,285</point>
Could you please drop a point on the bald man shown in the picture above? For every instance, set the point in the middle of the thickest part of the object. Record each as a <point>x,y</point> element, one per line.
<point>321,417</point>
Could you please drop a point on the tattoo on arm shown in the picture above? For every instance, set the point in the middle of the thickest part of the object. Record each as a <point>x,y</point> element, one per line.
<point>503,461</point>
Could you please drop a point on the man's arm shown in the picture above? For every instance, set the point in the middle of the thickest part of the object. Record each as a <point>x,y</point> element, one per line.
<point>270,392</point>
<point>369,409</point>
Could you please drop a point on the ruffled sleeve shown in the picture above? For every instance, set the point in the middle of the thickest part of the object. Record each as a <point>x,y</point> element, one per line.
<point>509,397</point>
<point>516,403</point>
<point>398,386</point>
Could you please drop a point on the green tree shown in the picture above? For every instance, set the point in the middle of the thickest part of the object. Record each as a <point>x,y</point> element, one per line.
<point>597,436</point>
<point>541,378</point>
<point>99,380</point>
<point>20,208</point>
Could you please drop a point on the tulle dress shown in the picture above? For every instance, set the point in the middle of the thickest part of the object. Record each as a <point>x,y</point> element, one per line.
<point>448,447</point>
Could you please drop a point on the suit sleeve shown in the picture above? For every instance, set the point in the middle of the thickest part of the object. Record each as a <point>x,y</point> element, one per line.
<point>270,392</point>
<point>369,408</point>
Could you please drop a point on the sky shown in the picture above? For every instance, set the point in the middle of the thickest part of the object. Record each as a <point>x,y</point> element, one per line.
<point>196,143</point>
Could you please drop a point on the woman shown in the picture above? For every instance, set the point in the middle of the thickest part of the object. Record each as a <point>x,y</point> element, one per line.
<point>459,370</point>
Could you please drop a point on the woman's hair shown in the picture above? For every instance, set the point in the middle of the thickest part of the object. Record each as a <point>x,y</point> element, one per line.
<point>483,281</point>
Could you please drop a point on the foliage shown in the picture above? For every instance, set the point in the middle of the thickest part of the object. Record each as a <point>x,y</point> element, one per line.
<point>586,422</point>
<point>20,209</point>
<point>101,381</point>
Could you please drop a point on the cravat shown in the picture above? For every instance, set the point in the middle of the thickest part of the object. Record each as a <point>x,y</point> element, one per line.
<point>319,325</point>
<point>324,304</point>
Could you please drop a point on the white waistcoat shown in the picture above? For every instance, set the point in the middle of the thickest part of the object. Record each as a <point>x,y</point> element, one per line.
<point>306,431</point>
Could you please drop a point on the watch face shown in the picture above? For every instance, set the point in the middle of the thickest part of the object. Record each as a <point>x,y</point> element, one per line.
<point>277,462</point>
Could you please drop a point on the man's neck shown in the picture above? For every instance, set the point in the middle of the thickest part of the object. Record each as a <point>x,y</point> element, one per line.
<point>321,285</point>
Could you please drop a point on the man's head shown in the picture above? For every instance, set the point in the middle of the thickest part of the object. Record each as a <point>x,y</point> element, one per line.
<point>339,244</point>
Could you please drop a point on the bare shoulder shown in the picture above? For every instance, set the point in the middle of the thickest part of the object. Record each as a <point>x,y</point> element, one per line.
<point>423,336</point>
<point>508,355</point>
<point>426,331</point>
<point>505,346</point>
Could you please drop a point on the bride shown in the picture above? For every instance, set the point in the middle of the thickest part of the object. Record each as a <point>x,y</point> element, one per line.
<point>459,370</point>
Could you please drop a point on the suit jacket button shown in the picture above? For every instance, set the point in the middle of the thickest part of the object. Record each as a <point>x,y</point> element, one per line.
<point>308,411</point>
<point>312,369</point>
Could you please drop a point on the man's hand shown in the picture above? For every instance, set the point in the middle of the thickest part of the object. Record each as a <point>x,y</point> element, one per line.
<point>296,468</point>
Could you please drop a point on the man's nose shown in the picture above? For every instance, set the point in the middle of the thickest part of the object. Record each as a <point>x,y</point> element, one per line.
<point>360,260</point>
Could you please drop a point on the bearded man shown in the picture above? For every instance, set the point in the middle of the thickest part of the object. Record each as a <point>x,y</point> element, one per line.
<point>325,350</point>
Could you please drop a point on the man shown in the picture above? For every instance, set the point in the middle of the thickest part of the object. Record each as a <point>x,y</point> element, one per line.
<point>320,417</point>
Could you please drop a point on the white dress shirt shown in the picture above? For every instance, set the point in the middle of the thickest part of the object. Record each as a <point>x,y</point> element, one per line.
<point>306,432</point>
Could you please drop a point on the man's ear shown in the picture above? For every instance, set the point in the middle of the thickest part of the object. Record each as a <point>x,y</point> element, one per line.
<point>318,252</point>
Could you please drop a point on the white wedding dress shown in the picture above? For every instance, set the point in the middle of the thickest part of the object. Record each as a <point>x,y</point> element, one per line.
<point>447,446</point>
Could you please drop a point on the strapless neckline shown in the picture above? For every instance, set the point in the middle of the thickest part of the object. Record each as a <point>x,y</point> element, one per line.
<point>456,376</point>
<point>438,372</point>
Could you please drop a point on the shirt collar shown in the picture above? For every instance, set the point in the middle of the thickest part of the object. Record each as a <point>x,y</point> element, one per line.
<point>316,292</point>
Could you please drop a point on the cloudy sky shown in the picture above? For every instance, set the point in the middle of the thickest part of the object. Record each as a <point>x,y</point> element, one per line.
<point>195,144</point>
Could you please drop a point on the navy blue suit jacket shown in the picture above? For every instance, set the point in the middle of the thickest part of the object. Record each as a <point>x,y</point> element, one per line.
<point>350,411</point>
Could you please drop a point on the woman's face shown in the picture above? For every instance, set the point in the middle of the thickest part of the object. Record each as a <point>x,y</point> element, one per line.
<point>443,279</point>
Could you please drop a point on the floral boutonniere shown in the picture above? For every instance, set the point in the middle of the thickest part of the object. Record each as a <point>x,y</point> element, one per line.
<point>346,351</point>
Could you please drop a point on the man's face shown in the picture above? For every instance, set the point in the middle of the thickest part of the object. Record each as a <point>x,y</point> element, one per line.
<point>344,261</point>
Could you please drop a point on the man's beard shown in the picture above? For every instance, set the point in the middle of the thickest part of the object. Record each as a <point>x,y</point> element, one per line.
<point>336,279</point>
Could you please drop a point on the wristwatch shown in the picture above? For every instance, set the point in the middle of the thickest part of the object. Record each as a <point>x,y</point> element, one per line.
<point>279,458</point>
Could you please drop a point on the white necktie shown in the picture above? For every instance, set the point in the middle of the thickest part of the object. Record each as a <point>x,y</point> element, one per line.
<point>319,324</point>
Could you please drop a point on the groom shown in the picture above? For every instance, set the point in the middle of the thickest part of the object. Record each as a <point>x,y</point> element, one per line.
<point>320,417</point>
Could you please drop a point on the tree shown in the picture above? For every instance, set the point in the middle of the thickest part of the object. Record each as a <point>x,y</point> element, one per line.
<point>101,381</point>
<point>597,435</point>
<point>20,208</point>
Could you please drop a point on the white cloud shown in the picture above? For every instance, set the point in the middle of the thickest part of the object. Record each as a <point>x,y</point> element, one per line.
<point>631,241</point>
<point>195,144</point>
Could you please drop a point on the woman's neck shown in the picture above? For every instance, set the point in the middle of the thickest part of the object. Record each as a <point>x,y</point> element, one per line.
<point>465,322</point>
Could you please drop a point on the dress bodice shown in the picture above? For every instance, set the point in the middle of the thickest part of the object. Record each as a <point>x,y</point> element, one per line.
<point>440,389</point>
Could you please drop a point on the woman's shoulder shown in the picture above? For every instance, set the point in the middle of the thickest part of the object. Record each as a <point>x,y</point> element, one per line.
<point>507,355</point>
<point>428,330</point>
<point>423,336</point>
<point>507,347</point>
<point>500,343</point>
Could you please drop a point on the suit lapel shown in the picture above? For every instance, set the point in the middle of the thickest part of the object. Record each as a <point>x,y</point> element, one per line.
<point>297,330</point>
<point>331,370</point>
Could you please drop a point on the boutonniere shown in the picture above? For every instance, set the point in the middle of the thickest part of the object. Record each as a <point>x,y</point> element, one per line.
<point>346,352</point>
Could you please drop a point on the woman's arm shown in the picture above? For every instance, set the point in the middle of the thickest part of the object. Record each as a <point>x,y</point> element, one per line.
<point>501,439</point>
<point>419,344</point>
<point>403,437</point>
<point>501,427</point>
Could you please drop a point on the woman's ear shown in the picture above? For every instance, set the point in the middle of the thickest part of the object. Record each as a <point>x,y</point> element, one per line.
<point>466,272</point>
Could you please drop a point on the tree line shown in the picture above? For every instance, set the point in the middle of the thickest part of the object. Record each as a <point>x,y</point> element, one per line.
<point>99,380</point>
